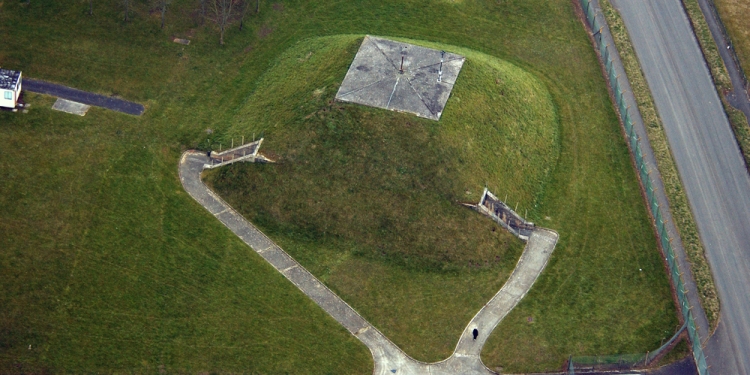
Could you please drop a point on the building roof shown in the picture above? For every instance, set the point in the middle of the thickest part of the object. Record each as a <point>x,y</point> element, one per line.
<point>9,79</point>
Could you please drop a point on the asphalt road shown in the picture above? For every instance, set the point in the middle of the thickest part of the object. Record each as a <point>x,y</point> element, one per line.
<point>709,162</point>
<point>84,97</point>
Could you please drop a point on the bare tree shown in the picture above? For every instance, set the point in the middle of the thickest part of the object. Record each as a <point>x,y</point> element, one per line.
<point>162,5</point>
<point>126,5</point>
<point>257,7</point>
<point>244,4</point>
<point>222,13</point>
<point>91,7</point>
<point>203,11</point>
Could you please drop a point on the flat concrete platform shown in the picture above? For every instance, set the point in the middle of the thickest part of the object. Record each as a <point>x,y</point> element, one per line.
<point>71,107</point>
<point>401,77</point>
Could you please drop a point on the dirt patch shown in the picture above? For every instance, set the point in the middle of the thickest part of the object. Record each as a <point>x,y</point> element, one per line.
<point>264,32</point>
<point>249,48</point>
<point>279,7</point>
<point>303,59</point>
<point>272,155</point>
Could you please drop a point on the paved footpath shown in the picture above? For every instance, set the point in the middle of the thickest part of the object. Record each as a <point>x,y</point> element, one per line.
<point>388,358</point>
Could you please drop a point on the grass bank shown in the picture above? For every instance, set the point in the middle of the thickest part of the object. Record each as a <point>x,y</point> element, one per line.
<point>675,193</point>
<point>734,14</point>
<point>110,267</point>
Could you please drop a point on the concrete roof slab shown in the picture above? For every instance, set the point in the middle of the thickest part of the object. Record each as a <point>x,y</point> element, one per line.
<point>401,77</point>
<point>433,94</point>
<point>406,99</point>
<point>371,95</point>
<point>369,66</point>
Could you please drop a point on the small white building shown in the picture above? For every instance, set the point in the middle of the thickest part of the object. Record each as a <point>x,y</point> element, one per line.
<point>10,88</point>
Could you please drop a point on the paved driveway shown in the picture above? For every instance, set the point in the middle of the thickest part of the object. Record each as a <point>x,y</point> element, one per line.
<point>84,97</point>
<point>709,162</point>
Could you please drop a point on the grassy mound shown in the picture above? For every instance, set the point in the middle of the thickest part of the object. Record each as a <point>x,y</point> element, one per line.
<point>367,199</point>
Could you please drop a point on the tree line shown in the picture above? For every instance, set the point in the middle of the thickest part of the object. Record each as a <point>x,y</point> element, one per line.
<point>220,12</point>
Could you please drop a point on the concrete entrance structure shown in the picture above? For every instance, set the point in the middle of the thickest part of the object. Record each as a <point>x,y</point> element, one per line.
<point>401,77</point>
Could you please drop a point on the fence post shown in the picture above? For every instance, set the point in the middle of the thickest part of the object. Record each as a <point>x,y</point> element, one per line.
<point>570,366</point>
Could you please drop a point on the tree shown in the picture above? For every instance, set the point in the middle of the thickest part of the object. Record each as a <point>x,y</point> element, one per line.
<point>91,7</point>
<point>162,5</point>
<point>244,5</point>
<point>203,11</point>
<point>126,5</point>
<point>222,13</point>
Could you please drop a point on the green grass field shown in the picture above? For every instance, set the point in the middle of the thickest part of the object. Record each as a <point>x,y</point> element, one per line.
<point>108,266</point>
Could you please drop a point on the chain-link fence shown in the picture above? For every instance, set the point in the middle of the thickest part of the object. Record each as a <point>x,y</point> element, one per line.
<point>584,364</point>
<point>597,25</point>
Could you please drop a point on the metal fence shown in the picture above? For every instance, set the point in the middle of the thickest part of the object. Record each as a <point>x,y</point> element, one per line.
<point>584,364</point>
<point>606,51</point>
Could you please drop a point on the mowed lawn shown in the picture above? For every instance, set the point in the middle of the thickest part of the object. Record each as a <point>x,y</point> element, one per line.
<point>109,266</point>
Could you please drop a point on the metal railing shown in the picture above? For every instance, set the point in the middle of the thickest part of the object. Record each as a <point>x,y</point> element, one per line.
<point>583,364</point>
